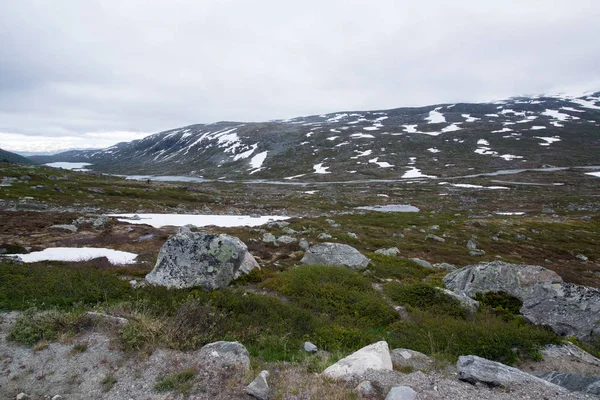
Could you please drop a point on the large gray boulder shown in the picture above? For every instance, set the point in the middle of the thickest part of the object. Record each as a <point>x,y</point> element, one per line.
<point>190,259</point>
<point>335,254</point>
<point>575,382</point>
<point>375,356</point>
<point>225,355</point>
<point>475,369</point>
<point>568,309</point>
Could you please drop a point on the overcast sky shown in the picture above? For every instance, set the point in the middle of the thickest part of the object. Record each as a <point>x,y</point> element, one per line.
<point>90,73</point>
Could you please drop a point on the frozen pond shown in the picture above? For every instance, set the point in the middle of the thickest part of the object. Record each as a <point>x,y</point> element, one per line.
<point>165,178</point>
<point>76,166</point>
<point>78,254</point>
<point>391,208</point>
<point>226,221</point>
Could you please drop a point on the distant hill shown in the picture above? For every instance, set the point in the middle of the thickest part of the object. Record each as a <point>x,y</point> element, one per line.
<point>441,140</point>
<point>7,156</point>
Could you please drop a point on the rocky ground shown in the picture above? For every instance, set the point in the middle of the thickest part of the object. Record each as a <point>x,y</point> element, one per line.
<point>155,352</point>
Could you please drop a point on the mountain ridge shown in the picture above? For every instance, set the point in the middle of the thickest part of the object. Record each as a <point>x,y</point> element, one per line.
<point>408,142</point>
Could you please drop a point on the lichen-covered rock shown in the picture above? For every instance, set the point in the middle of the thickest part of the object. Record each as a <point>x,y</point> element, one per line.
<point>335,254</point>
<point>568,309</point>
<point>466,303</point>
<point>190,259</point>
<point>401,393</point>
<point>402,358</point>
<point>225,355</point>
<point>375,356</point>
<point>475,369</point>
<point>259,388</point>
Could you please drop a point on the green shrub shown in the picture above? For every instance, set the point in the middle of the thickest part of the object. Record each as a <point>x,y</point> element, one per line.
<point>425,297</point>
<point>33,325</point>
<point>25,286</point>
<point>179,381</point>
<point>486,335</point>
<point>335,293</point>
<point>501,302</point>
<point>398,268</point>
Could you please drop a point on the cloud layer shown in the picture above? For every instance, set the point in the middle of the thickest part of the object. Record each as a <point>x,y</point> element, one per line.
<point>78,69</point>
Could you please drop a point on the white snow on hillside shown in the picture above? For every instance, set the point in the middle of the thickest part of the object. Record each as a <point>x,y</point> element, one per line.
<point>548,140</point>
<point>245,154</point>
<point>415,172</point>
<point>320,169</point>
<point>257,161</point>
<point>468,118</point>
<point>381,164</point>
<point>435,117</point>
<point>362,136</point>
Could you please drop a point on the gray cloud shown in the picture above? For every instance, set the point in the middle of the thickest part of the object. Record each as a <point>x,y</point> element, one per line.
<point>71,67</point>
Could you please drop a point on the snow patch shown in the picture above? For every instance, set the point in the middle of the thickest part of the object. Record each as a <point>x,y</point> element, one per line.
<point>160,220</point>
<point>320,169</point>
<point>79,254</point>
<point>435,117</point>
<point>382,164</point>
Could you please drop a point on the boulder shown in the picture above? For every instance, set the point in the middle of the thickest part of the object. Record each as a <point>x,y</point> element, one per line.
<point>225,355</point>
<point>190,259</point>
<point>401,393</point>
<point>402,358</point>
<point>471,244</point>
<point>435,237</point>
<point>475,369</point>
<point>70,228</point>
<point>466,303</point>
<point>422,263</point>
<point>375,356</point>
<point>575,382</point>
<point>304,244</point>
<point>391,252</point>
<point>259,388</point>
<point>568,309</point>
<point>335,254</point>
<point>286,239</point>
<point>269,238</point>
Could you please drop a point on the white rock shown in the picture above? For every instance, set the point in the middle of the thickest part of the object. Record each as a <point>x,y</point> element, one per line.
<point>401,393</point>
<point>259,388</point>
<point>375,356</point>
<point>309,347</point>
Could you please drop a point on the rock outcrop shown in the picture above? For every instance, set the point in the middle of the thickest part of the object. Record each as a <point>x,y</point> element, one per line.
<point>575,382</point>
<point>225,355</point>
<point>375,356</point>
<point>190,259</point>
<point>568,309</point>
<point>335,254</point>
<point>475,369</point>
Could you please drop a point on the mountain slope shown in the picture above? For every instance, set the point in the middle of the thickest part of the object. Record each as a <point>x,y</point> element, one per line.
<point>7,156</point>
<point>440,140</point>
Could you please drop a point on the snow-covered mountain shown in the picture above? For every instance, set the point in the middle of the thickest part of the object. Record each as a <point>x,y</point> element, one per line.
<point>439,140</point>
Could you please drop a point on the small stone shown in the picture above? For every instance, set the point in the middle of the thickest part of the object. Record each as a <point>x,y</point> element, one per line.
<point>70,228</point>
<point>309,347</point>
<point>472,245</point>
<point>324,236</point>
<point>23,396</point>
<point>259,388</point>
<point>477,253</point>
<point>254,215</point>
<point>57,397</point>
<point>365,388</point>
<point>422,263</point>
<point>352,235</point>
<point>391,252</point>
<point>435,237</point>
<point>286,239</point>
<point>401,393</point>
<point>269,238</point>
<point>581,257</point>
<point>289,231</point>
<point>304,244</point>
